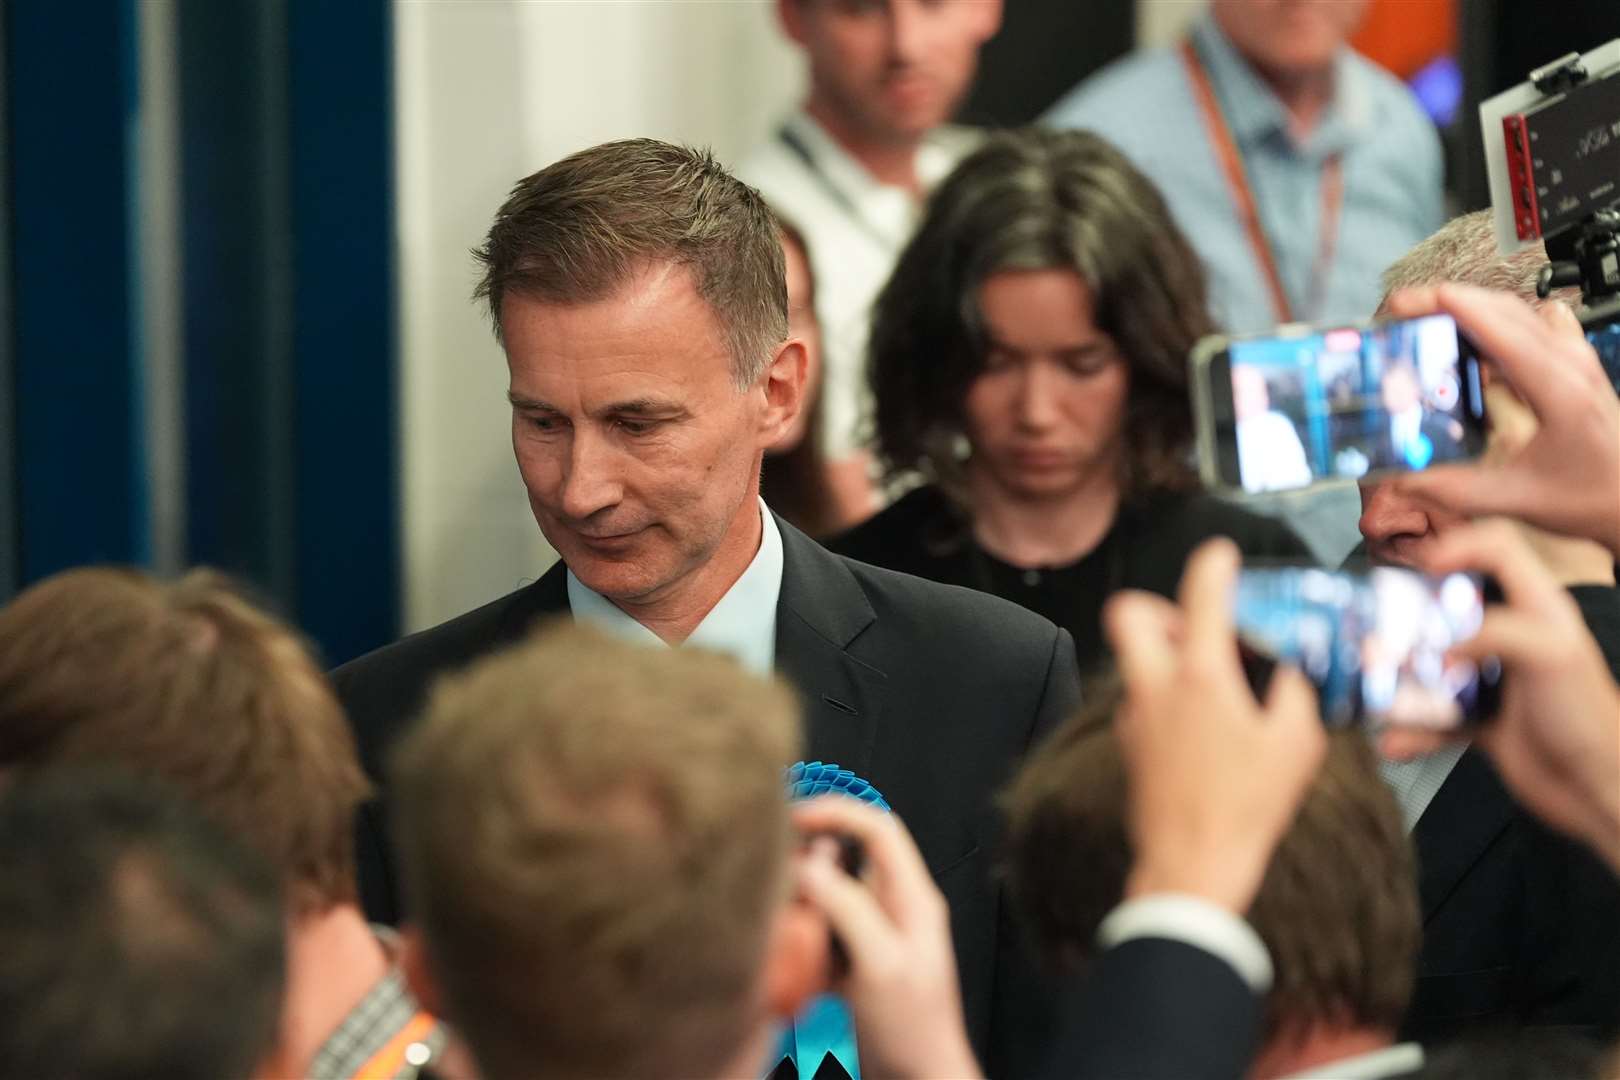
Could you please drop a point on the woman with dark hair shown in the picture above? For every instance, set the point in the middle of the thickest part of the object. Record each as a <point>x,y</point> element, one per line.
<point>1029,363</point>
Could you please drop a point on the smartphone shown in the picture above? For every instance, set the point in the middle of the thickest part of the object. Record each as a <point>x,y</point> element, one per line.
<point>1374,643</point>
<point>1602,326</point>
<point>1311,405</point>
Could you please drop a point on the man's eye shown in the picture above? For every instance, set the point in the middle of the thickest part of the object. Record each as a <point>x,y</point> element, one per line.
<point>637,427</point>
<point>543,423</point>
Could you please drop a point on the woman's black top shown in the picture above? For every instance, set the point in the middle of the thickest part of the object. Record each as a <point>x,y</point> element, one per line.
<point>1147,546</point>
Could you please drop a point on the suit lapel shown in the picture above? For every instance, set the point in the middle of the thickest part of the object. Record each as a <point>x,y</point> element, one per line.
<point>546,597</point>
<point>820,611</point>
<point>1468,813</point>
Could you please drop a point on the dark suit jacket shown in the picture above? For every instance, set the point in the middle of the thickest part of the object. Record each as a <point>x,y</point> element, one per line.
<point>931,693</point>
<point>1157,1009</point>
<point>1521,926</point>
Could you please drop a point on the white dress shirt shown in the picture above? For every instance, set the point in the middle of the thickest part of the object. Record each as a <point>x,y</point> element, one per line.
<point>1398,1060</point>
<point>741,625</point>
<point>854,227</point>
<point>1194,921</point>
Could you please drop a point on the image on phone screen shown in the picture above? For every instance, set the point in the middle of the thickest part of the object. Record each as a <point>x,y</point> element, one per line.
<point>1374,644</point>
<point>1605,338</point>
<point>1342,403</point>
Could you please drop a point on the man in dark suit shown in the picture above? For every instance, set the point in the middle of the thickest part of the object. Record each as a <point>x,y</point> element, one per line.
<point>1521,927</point>
<point>638,292</point>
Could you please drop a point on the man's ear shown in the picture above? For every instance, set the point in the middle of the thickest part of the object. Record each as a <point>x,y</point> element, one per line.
<point>413,964</point>
<point>790,13</point>
<point>784,383</point>
<point>797,959</point>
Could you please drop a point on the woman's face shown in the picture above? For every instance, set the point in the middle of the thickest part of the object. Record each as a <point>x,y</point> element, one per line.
<point>1048,411</point>
<point>802,324</point>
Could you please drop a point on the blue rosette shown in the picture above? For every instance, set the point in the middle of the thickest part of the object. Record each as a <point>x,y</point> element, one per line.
<point>825,1026</point>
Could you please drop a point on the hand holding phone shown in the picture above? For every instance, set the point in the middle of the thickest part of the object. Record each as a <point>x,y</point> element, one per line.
<point>1556,738</point>
<point>901,982</point>
<point>1305,405</point>
<point>1566,479</point>
<point>1377,646</point>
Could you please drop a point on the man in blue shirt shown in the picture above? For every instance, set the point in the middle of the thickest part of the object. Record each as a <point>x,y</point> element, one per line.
<point>1298,169</point>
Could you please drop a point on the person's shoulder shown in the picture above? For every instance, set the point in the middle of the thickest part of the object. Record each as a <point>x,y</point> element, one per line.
<point>1117,92</point>
<point>1200,515</point>
<point>888,537</point>
<point>953,628</point>
<point>382,690</point>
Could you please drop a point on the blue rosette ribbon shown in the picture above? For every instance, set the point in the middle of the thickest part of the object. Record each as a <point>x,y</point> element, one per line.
<point>825,1026</point>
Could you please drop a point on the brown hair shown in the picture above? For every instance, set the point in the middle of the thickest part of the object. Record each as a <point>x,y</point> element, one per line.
<point>1337,910</point>
<point>794,482</point>
<point>578,229</point>
<point>189,683</point>
<point>1034,199</point>
<point>594,838</point>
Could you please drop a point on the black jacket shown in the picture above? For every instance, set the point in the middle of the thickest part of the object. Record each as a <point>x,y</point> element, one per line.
<point>1521,925</point>
<point>933,694</point>
<point>923,533</point>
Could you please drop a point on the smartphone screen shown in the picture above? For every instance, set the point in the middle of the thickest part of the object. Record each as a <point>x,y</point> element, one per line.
<point>1374,643</point>
<point>1603,331</point>
<point>1315,405</point>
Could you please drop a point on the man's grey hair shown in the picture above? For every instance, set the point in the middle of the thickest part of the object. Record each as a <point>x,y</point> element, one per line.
<point>577,230</point>
<point>1464,250</point>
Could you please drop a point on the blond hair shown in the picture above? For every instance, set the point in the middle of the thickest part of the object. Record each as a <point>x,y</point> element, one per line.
<point>594,838</point>
<point>188,682</point>
<point>1338,909</point>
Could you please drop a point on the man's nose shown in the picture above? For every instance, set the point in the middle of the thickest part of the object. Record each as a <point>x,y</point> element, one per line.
<point>1386,515</point>
<point>591,481</point>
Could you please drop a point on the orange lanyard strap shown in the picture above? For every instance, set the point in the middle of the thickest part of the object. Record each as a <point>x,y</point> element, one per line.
<point>1237,181</point>
<point>388,1061</point>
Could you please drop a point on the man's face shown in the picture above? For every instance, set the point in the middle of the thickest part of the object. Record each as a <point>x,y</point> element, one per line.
<point>1399,390</point>
<point>892,69</point>
<point>1289,37</point>
<point>1048,411</point>
<point>639,453</point>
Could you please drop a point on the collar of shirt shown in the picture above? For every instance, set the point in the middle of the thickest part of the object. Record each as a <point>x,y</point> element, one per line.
<point>1416,782</point>
<point>379,1018</point>
<point>742,624</point>
<point>889,210</point>
<point>1397,1060</point>
<point>1253,111</point>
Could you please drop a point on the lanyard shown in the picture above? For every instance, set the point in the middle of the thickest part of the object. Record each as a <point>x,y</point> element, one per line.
<point>1231,162</point>
<point>388,1061</point>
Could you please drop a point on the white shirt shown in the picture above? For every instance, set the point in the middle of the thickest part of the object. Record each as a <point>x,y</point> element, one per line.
<point>1270,454</point>
<point>1194,921</point>
<point>854,227</point>
<point>742,624</point>
<point>1405,427</point>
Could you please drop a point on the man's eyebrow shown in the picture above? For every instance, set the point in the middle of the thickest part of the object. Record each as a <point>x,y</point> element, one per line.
<point>518,401</point>
<point>643,406</point>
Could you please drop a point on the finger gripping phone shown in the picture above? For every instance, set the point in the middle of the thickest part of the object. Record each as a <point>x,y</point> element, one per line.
<point>1376,645</point>
<point>1309,405</point>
